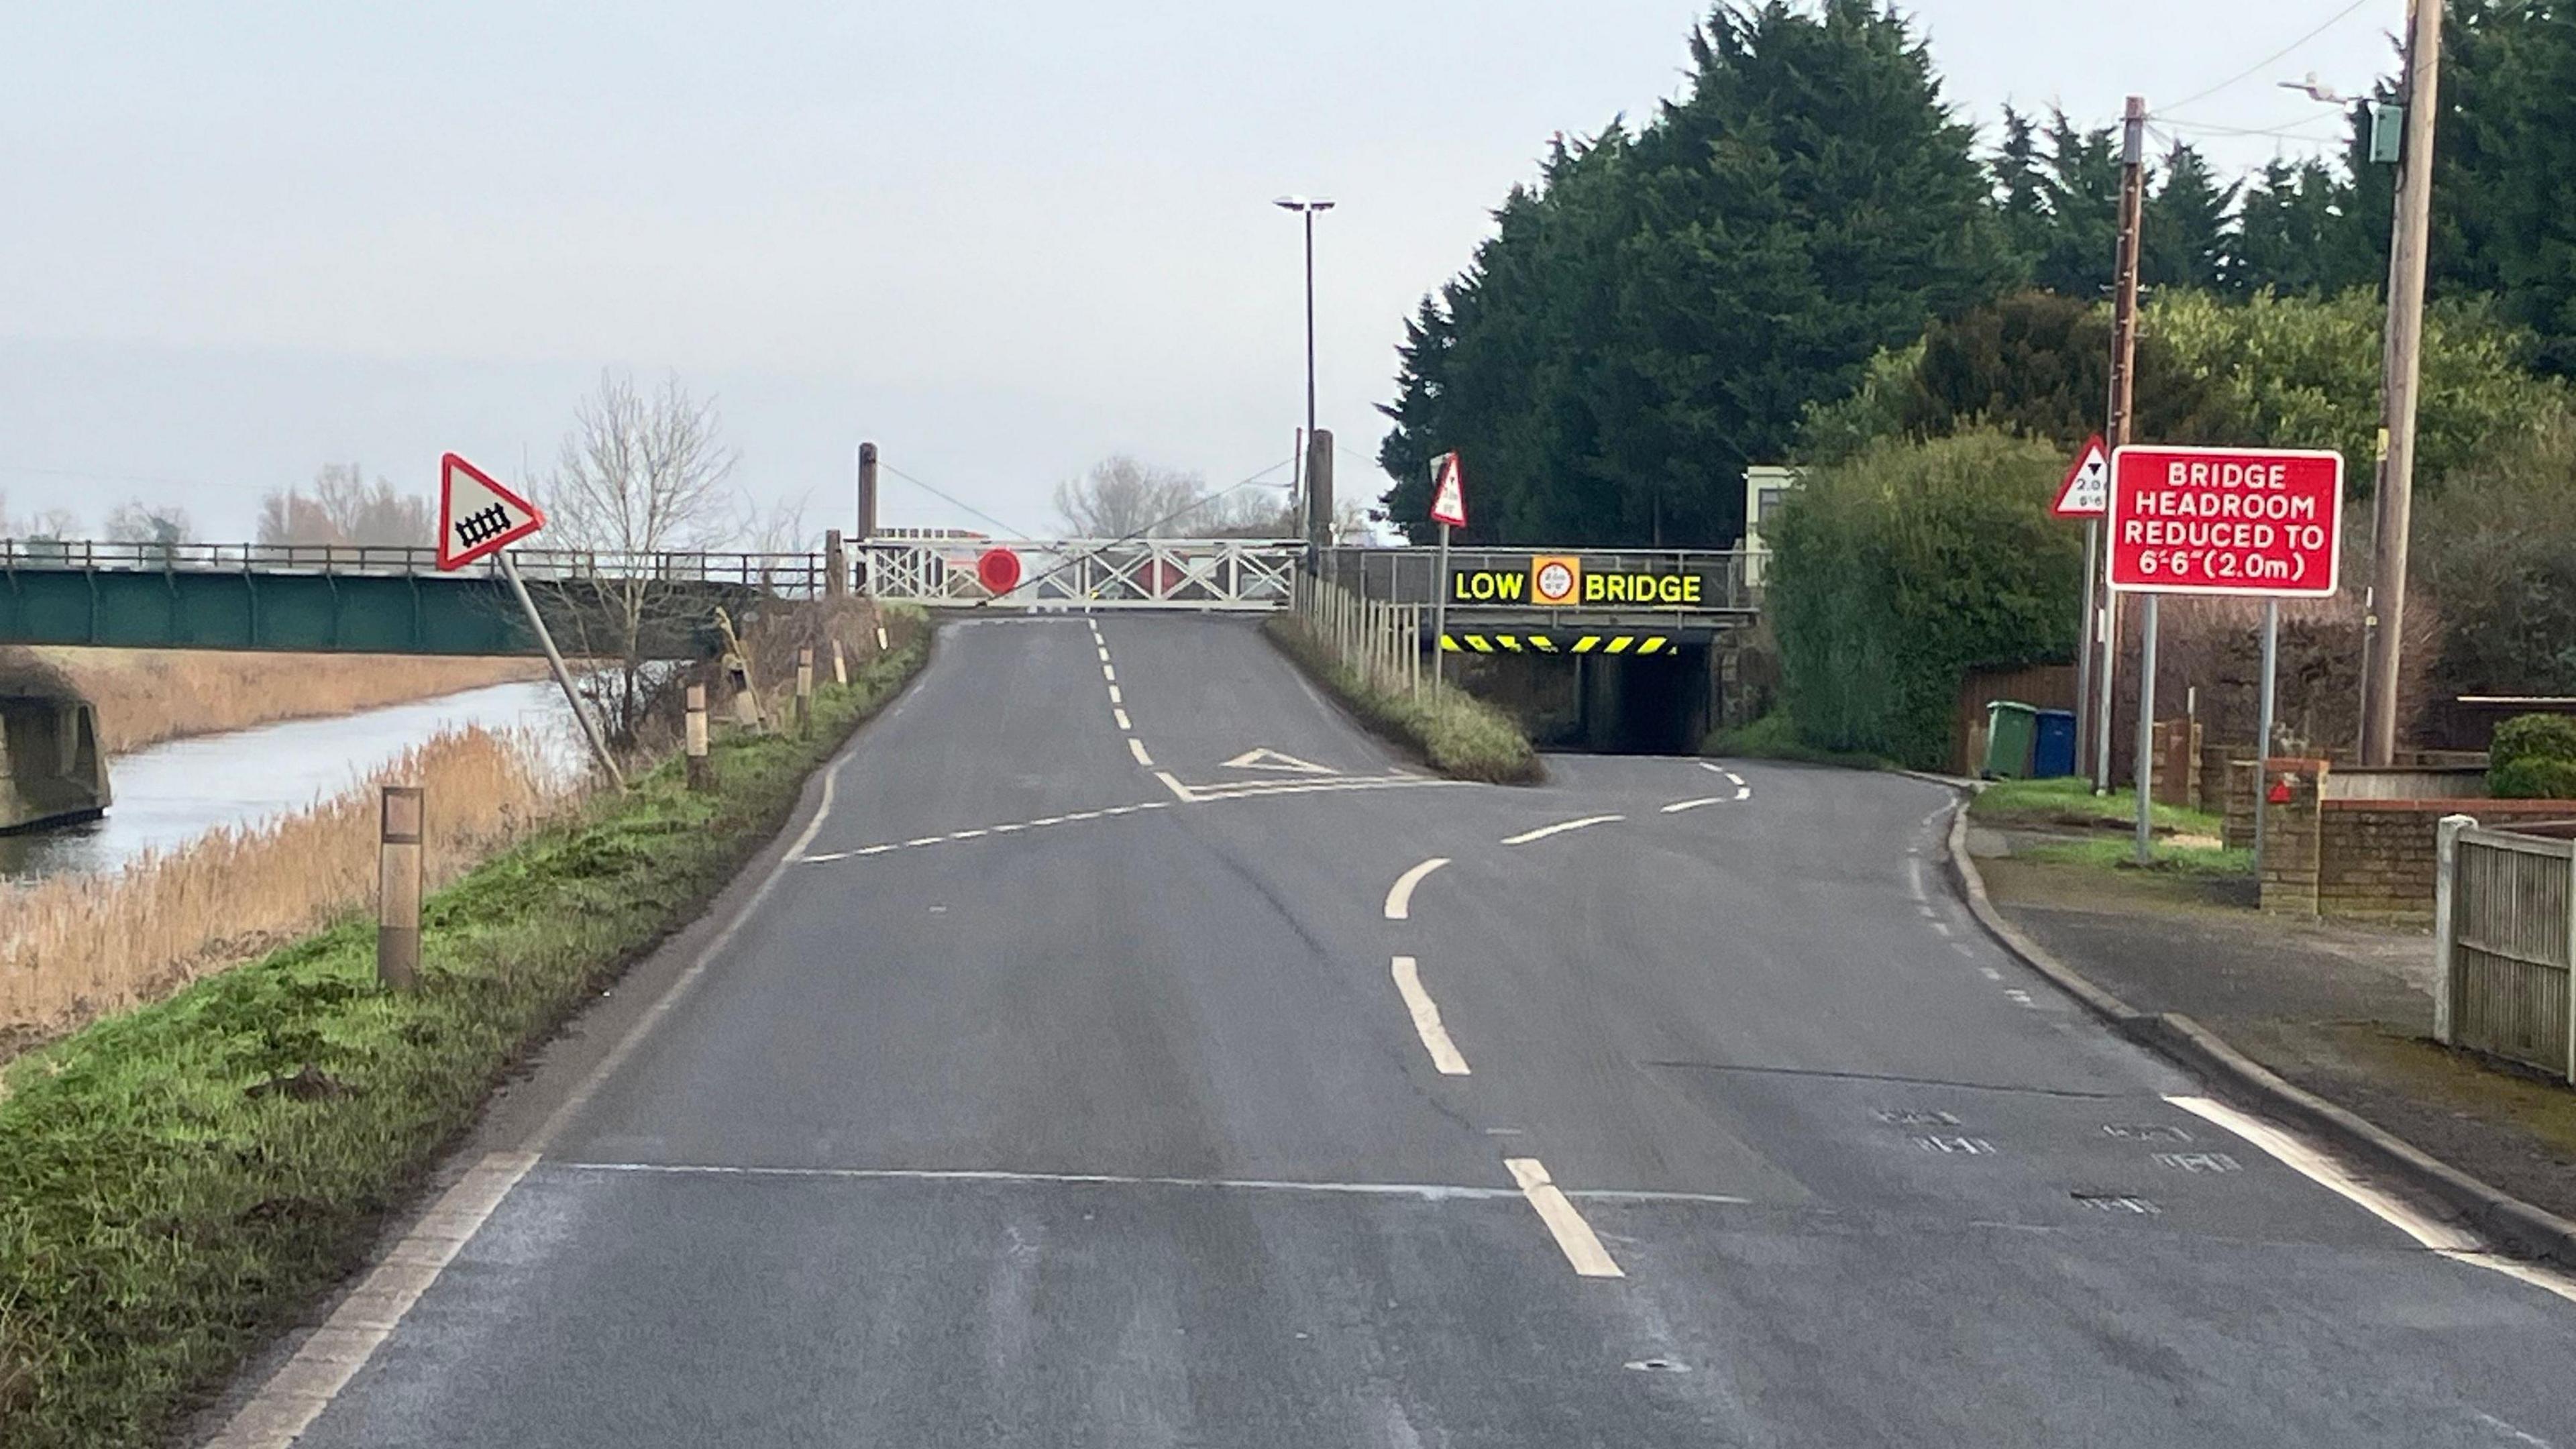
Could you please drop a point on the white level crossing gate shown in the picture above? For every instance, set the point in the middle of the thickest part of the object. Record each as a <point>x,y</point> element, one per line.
<point>1244,575</point>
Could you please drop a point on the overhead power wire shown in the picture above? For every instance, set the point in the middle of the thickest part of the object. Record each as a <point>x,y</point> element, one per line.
<point>2248,72</point>
<point>1008,531</point>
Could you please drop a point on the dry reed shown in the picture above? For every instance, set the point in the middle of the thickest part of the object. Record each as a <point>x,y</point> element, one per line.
<point>77,947</point>
<point>146,696</point>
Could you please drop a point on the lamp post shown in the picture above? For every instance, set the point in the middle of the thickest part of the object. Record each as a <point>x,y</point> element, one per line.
<point>1308,206</point>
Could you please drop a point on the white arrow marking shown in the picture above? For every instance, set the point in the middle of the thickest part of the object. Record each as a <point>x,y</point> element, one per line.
<point>1266,758</point>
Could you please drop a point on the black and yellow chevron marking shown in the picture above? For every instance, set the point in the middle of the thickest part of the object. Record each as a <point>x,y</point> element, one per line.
<point>1558,644</point>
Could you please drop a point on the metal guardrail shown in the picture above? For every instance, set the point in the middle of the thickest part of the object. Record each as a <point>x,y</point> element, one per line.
<point>2504,944</point>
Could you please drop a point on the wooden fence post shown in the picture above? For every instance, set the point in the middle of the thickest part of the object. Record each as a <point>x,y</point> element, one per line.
<point>398,846</point>
<point>701,773</point>
<point>2446,869</point>
<point>840,664</point>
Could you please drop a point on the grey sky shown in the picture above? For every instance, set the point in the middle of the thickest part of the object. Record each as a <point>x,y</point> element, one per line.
<point>245,240</point>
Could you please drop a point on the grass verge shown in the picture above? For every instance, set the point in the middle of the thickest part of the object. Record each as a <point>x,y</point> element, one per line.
<point>178,1182</point>
<point>2072,802</point>
<point>1460,735</point>
<point>2119,853</point>
<point>1775,737</point>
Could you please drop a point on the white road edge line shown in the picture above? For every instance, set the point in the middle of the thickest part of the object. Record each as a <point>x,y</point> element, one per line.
<point>1678,806</point>
<point>297,1393</point>
<point>1136,747</point>
<point>688,979</point>
<point>1574,1236</point>
<point>1544,831</point>
<point>1426,1019</point>
<point>2457,1244</point>
<point>1399,897</point>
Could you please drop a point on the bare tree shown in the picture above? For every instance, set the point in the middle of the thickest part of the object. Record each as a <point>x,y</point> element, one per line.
<point>139,522</point>
<point>639,474</point>
<point>53,523</point>
<point>1252,511</point>
<point>343,508</point>
<point>1122,498</point>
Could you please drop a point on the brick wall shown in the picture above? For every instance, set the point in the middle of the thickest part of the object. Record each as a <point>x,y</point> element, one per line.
<point>2243,778</point>
<point>2215,756</point>
<point>2176,746</point>
<point>2373,859</point>
<point>2291,870</point>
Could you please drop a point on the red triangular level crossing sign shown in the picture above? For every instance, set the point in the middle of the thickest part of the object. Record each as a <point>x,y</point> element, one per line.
<point>2086,493</point>
<point>1448,491</point>
<point>476,515</point>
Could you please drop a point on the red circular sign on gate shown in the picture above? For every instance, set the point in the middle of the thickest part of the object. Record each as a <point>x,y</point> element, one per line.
<point>999,569</point>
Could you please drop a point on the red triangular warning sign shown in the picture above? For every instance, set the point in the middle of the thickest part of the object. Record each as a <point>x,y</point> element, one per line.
<point>2086,493</point>
<point>476,515</point>
<point>1448,491</point>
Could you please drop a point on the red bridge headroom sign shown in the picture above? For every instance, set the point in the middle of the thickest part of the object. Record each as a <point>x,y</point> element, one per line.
<point>2226,521</point>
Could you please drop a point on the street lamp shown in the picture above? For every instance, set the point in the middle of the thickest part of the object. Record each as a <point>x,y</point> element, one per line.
<point>1308,205</point>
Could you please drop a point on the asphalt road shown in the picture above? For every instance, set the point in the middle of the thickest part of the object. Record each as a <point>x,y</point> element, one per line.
<point>1068,1089</point>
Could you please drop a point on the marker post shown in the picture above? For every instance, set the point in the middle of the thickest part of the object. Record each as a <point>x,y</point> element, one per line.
<point>563,676</point>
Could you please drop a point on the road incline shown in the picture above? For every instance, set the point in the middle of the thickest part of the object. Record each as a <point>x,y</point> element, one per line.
<point>1097,1072</point>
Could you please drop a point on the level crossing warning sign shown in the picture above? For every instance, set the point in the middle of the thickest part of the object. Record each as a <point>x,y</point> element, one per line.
<point>476,515</point>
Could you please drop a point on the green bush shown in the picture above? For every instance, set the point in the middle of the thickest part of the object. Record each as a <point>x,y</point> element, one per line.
<point>1774,736</point>
<point>1898,570</point>
<point>1456,733</point>
<point>2534,758</point>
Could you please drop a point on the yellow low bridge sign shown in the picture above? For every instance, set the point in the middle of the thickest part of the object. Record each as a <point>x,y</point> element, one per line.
<point>1560,581</point>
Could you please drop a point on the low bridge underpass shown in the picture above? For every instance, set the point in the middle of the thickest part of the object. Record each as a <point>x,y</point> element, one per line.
<point>1604,649</point>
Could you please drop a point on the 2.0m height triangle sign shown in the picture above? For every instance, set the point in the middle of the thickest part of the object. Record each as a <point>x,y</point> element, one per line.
<point>1448,492</point>
<point>476,515</point>
<point>2086,493</point>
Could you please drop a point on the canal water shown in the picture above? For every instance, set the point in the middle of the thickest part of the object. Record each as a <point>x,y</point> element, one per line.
<point>171,793</point>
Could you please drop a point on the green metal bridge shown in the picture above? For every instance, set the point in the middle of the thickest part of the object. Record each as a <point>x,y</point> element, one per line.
<point>376,600</point>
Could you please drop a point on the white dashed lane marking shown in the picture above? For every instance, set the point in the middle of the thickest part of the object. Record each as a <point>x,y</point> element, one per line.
<point>1426,1018</point>
<point>1399,897</point>
<point>1574,1237</point>
<point>1678,806</point>
<point>1544,831</point>
<point>1136,747</point>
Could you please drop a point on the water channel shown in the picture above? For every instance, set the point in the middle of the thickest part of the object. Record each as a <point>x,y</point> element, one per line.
<point>171,793</point>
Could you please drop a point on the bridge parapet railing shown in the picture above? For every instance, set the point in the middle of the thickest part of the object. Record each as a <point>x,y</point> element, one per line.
<point>1245,575</point>
<point>1411,575</point>
<point>792,575</point>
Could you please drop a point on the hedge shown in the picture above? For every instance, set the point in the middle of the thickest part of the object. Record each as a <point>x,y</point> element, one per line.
<point>1898,570</point>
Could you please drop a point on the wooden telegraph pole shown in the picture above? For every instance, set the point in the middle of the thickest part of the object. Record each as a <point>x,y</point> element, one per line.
<point>2384,610</point>
<point>2124,360</point>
